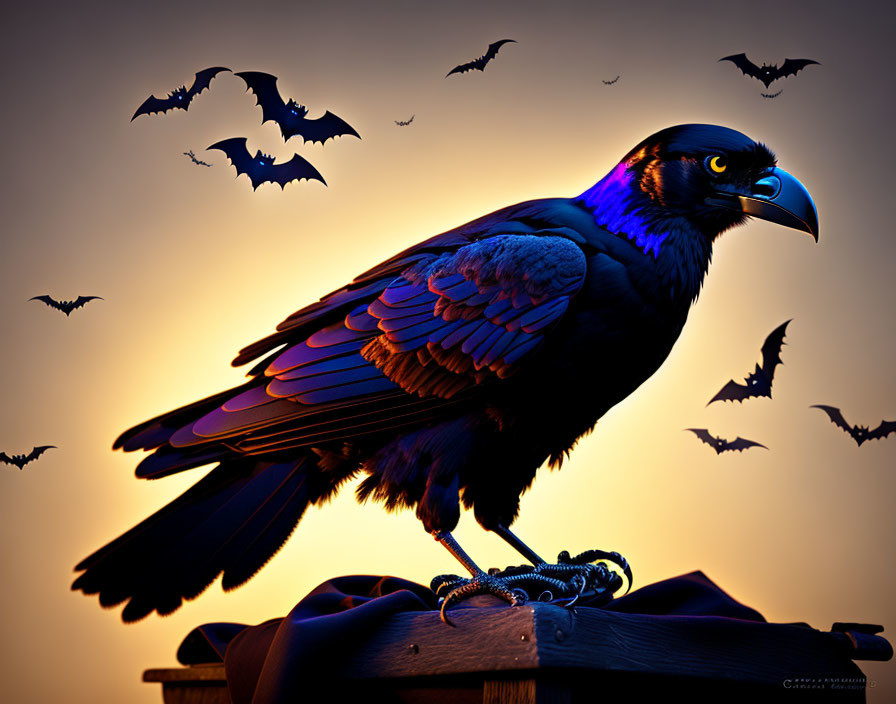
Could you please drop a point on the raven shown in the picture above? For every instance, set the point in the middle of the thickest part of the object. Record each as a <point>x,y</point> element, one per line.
<point>449,373</point>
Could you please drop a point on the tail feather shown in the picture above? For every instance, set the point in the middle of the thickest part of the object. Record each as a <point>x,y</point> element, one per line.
<point>176,553</point>
<point>261,545</point>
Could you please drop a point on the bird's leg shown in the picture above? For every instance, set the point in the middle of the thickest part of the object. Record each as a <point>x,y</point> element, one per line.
<point>451,588</point>
<point>585,576</point>
<point>517,544</point>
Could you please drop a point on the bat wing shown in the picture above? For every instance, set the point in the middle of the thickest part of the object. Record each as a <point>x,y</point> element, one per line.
<point>837,418</point>
<point>791,67</point>
<point>741,444</point>
<point>494,48</point>
<point>83,300</point>
<point>705,436</point>
<point>732,391</point>
<point>295,169</point>
<point>322,129</point>
<point>203,80</point>
<point>49,300</point>
<point>744,64</point>
<point>479,64</point>
<point>8,460</point>
<point>771,351</point>
<point>264,86</point>
<point>153,105</point>
<point>235,150</point>
<point>885,428</point>
<point>37,452</point>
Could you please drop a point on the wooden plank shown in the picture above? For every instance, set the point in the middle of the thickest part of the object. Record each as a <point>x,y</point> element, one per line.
<point>204,693</point>
<point>525,691</point>
<point>544,653</point>
<point>686,646</point>
<point>484,639</point>
<point>194,673</point>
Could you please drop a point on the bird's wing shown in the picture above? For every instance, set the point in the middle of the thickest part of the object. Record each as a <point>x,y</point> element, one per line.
<point>462,318</point>
<point>406,341</point>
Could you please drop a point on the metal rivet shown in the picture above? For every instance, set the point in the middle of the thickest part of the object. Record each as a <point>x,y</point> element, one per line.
<point>413,648</point>
<point>524,637</point>
<point>560,635</point>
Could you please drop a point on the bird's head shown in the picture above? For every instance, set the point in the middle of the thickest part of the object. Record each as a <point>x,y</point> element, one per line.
<point>701,178</point>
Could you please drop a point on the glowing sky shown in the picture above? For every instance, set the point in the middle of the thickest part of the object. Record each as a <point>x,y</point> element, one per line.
<point>193,266</point>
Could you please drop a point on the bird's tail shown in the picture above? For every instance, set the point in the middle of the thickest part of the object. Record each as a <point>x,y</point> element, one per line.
<point>232,521</point>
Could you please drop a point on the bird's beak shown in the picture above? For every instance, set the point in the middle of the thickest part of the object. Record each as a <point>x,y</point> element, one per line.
<point>777,197</point>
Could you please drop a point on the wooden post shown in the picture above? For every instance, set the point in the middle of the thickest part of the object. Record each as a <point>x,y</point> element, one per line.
<point>545,654</point>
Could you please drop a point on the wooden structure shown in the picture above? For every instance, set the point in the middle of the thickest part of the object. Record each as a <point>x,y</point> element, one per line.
<point>540,653</point>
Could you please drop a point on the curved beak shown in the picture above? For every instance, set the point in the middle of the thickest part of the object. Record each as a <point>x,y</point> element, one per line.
<point>776,197</point>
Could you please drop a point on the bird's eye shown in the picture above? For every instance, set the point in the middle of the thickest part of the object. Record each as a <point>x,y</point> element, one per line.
<point>716,164</point>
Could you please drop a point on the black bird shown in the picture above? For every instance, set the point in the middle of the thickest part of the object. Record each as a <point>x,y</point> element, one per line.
<point>449,373</point>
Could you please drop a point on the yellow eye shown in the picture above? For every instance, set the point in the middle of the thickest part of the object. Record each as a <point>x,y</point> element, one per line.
<point>717,164</point>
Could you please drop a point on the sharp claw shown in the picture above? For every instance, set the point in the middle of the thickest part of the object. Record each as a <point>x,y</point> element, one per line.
<point>585,577</point>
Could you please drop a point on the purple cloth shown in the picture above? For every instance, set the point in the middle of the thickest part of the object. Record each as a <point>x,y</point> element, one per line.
<point>271,662</point>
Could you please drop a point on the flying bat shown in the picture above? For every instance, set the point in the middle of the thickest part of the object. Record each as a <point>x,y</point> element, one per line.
<point>759,383</point>
<point>195,160</point>
<point>772,95</point>
<point>404,123</point>
<point>768,73</point>
<point>609,83</point>
<point>290,115</point>
<point>65,306</point>
<point>721,445</point>
<point>21,460</point>
<point>480,63</point>
<point>859,433</point>
<point>261,167</point>
<point>179,98</point>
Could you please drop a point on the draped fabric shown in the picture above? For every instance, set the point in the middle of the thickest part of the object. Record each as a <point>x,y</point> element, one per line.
<point>281,660</point>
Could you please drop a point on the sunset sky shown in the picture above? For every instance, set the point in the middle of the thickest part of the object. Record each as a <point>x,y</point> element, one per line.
<point>193,265</point>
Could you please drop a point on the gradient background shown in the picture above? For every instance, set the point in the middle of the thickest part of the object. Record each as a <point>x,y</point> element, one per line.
<point>193,265</point>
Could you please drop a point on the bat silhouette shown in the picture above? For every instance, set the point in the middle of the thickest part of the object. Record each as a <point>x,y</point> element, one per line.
<point>480,63</point>
<point>759,383</point>
<point>404,123</point>
<point>859,433</point>
<point>721,445</point>
<point>609,83</point>
<point>195,160</point>
<point>179,98</point>
<point>21,460</point>
<point>772,95</point>
<point>65,306</point>
<point>768,73</point>
<point>291,115</point>
<point>261,167</point>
